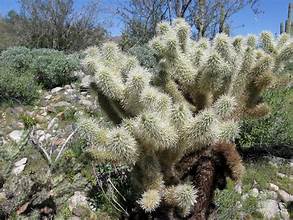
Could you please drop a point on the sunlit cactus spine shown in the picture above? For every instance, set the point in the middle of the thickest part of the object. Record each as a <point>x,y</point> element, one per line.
<point>196,102</point>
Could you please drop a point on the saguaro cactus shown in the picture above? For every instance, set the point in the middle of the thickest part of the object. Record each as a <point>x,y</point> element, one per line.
<point>288,22</point>
<point>176,128</point>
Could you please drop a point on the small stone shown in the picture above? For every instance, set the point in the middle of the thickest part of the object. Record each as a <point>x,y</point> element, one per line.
<point>67,87</point>
<point>79,74</point>
<point>273,187</point>
<point>57,89</point>
<point>53,124</point>
<point>21,162</point>
<point>86,103</point>
<point>254,192</point>
<point>16,135</point>
<point>48,97</point>
<point>18,170</point>
<point>86,82</point>
<point>282,175</point>
<point>284,196</point>
<point>61,104</point>
<point>284,212</point>
<point>78,199</point>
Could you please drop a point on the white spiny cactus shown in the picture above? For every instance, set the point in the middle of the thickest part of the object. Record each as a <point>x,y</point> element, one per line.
<point>205,88</point>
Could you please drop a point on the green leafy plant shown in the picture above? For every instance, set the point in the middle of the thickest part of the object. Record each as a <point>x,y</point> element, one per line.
<point>28,120</point>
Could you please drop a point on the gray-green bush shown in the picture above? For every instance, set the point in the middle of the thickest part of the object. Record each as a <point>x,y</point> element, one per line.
<point>49,67</point>
<point>17,86</point>
<point>53,68</point>
<point>275,128</point>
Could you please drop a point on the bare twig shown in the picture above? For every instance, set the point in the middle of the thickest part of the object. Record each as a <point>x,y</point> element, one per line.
<point>64,145</point>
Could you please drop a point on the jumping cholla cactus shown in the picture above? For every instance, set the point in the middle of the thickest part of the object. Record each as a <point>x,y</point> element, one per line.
<point>193,105</point>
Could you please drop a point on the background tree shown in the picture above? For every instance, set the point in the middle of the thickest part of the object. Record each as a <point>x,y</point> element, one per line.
<point>55,24</point>
<point>206,17</point>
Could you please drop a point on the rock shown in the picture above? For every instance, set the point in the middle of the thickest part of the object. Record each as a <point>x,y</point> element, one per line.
<point>273,187</point>
<point>48,97</point>
<point>79,74</point>
<point>269,208</point>
<point>284,212</point>
<point>78,199</point>
<point>45,137</point>
<point>67,87</point>
<point>53,124</point>
<point>56,90</point>
<point>284,196</point>
<point>86,103</point>
<point>282,175</point>
<point>16,135</point>
<point>254,192</point>
<point>69,91</point>
<point>86,82</point>
<point>19,166</point>
<point>61,104</point>
<point>21,162</point>
<point>238,188</point>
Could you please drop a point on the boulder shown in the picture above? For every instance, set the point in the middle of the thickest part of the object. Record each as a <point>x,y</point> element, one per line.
<point>56,90</point>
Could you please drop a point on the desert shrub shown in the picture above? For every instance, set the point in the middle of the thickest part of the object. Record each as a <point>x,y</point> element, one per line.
<point>145,56</point>
<point>274,128</point>
<point>17,86</point>
<point>49,67</point>
<point>53,68</point>
<point>18,58</point>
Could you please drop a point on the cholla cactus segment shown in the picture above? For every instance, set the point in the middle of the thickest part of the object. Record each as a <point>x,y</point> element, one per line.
<point>251,41</point>
<point>222,45</point>
<point>284,55</point>
<point>154,100</point>
<point>89,64</point>
<point>238,44</point>
<point>183,32</point>
<point>267,42</point>
<point>150,200</point>
<point>109,82</point>
<point>162,28</point>
<point>201,130</point>
<point>110,52</point>
<point>122,144</point>
<point>92,51</point>
<point>225,106</point>
<point>157,132</point>
<point>228,131</point>
<point>96,135</point>
<point>183,196</point>
<point>283,39</point>
<point>180,115</point>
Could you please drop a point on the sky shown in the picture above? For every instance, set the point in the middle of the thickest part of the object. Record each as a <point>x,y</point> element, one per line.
<point>243,23</point>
